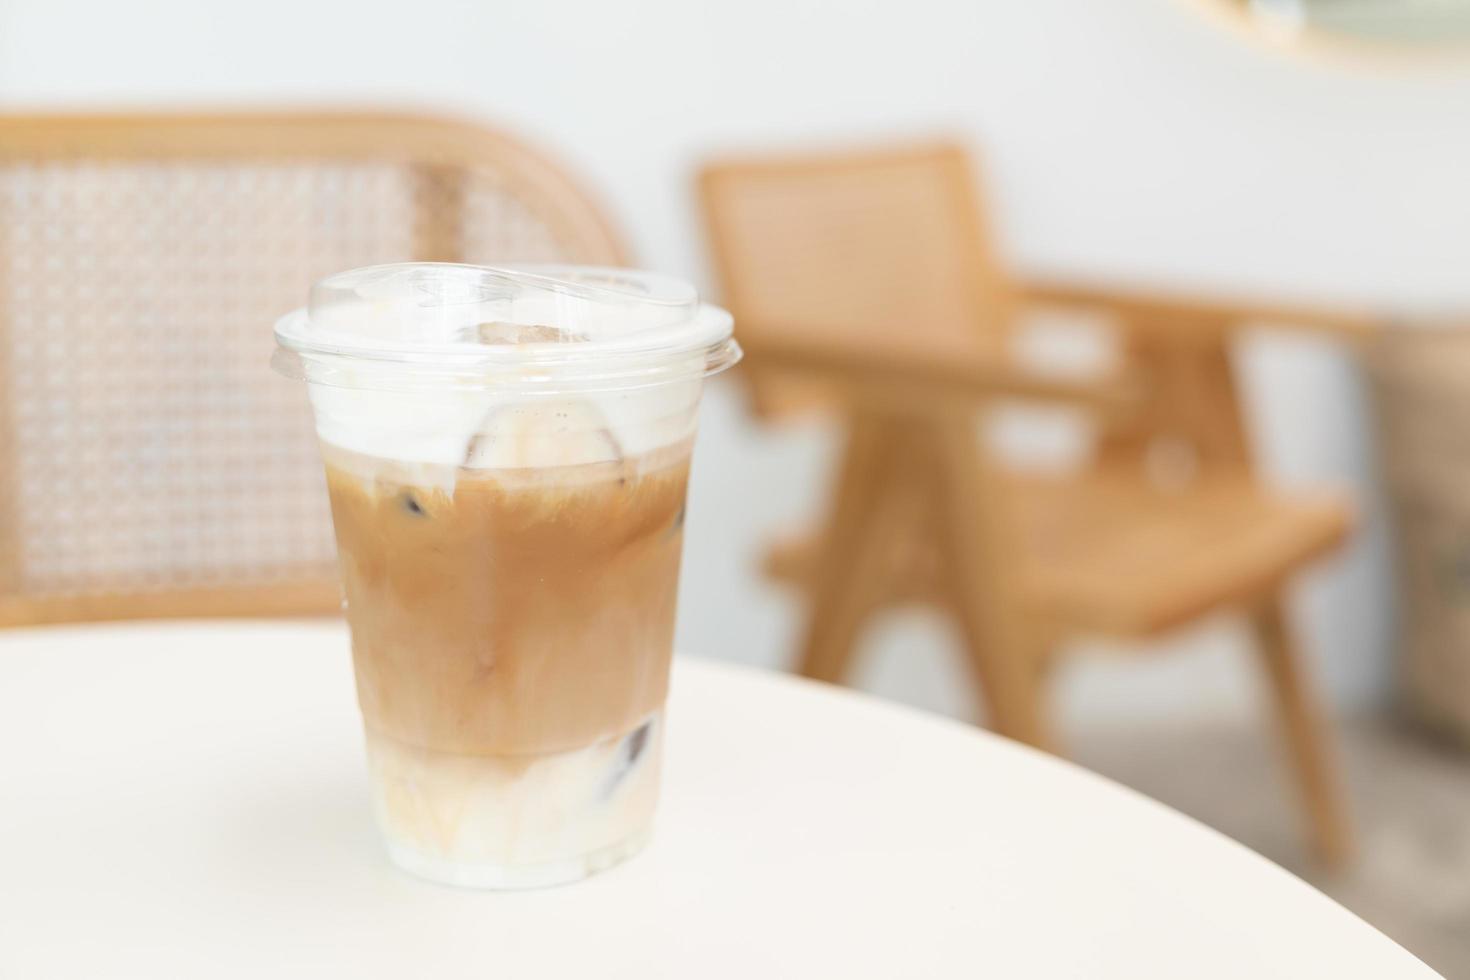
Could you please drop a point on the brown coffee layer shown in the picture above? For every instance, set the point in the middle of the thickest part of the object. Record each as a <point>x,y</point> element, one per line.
<point>523,612</point>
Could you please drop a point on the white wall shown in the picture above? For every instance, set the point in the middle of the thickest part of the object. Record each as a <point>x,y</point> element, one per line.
<point>1130,139</point>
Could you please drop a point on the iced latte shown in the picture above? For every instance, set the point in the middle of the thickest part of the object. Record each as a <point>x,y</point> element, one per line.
<point>508,493</point>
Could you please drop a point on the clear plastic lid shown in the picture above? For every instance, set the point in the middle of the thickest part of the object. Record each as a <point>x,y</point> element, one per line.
<point>429,324</point>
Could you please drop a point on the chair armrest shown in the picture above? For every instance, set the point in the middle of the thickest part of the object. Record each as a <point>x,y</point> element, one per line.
<point>1205,317</point>
<point>922,384</point>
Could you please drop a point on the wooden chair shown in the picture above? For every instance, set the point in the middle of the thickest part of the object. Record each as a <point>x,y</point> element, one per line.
<point>150,463</point>
<point>868,280</point>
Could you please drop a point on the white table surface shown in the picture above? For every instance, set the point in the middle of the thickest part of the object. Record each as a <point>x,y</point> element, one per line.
<point>188,800</point>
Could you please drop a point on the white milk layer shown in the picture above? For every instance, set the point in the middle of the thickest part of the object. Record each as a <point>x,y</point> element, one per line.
<point>490,429</point>
<point>455,366</point>
<point>516,821</point>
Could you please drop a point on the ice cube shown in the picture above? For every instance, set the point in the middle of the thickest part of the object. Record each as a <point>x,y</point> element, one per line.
<point>525,333</point>
<point>543,432</point>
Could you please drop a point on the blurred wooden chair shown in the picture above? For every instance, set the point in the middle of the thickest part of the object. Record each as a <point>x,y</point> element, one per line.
<point>868,280</point>
<point>150,463</point>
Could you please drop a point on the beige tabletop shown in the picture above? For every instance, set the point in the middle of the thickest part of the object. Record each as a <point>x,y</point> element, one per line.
<point>188,800</point>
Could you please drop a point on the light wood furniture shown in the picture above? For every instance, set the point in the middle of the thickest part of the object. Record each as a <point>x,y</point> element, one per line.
<point>867,280</point>
<point>150,463</point>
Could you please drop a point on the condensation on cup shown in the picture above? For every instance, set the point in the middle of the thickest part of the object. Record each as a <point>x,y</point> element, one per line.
<point>507,452</point>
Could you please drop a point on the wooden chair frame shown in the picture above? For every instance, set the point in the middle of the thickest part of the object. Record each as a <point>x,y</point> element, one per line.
<point>436,152</point>
<point>912,471</point>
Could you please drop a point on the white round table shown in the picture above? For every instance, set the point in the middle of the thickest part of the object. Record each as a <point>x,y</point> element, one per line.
<point>188,800</point>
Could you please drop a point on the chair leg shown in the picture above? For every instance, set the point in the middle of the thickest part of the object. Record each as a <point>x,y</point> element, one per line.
<point>848,572</point>
<point>1307,736</point>
<point>1012,680</point>
<point>983,592</point>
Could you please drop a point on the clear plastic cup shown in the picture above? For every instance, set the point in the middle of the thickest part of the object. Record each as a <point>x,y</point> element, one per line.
<point>507,453</point>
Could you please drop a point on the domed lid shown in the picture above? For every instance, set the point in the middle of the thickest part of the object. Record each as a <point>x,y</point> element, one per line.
<point>414,325</point>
